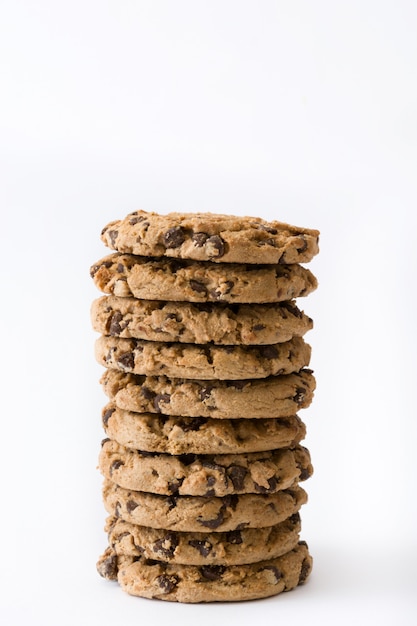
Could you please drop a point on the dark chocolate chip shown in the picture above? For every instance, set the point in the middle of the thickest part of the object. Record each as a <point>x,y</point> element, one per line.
<point>166,545</point>
<point>305,474</point>
<point>259,327</point>
<point>199,239</point>
<point>237,474</point>
<point>272,485</point>
<point>172,502</point>
<point>113,325</point>
<point>191,424</point>
<point>103,441</point>
<point>198,287</point>
<point>131,506</point>
<point>300,395</point>
<point>215,246</point>
<point>161,398</point>
<point>277,573</point>
<point>174,486</point>
<point>174,237</point>
<point>108,568</point>
<point>305,570</point>
<point>203,547</point>
<point>291,308</point>
<point>268,229</point>
<point>168,582</point>
<point>147,393</point>
<point>303,244</point>
<point>268,352</point>
<point>127,361</point>
<point>234,537</point>
<point>120,268</point>
<point>115,465</point>
<point>107,415</point>
<point>204,392</point>
<point>187,459</point>
<point>113,236</point>
<point>212,572</point>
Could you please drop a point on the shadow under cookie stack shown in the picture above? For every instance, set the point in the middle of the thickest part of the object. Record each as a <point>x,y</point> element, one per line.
<point>206,369</point>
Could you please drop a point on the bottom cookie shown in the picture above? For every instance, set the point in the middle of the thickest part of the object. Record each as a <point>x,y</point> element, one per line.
<point>208,583</point>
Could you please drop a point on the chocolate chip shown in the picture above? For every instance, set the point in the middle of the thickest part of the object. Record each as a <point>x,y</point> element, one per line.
<point>305,570</point>
<point>229,284</point>
<point>174,237</point>
<point>131,506</point>
<point>108,567</point>
<point>115,465</point>
<point>198,287</point>
<point>303,244</point>
<point>215,522</point>
<point>187,459</point>
<point>204,392</point>
<point>300,395</point>
<point>199,239</point>
<point>291,308</point>
<point>113,325</point>
<point>305,474</point>
<point>268,352</point>
<point>208,354</point>
<point>168,582</point>
<point>237,384</point>
<point>117,508</point>
<point>295,519</point>
<point>277,573</point>
<point>113,236</point>
<point>166,545</point>
<point>136,219</point>
<point>147,393</point>
<point>191,424</point>
<point>203,547</point>
<point>234,537</point>
<point>272,485</point>
<point>174,486</point>
<point>172,502</point>
<point>107,415</point>
<point>120,268</point>
<point>215,294</point>
<point>212,572</point>
<point>103,441</point>
<point>161,398</point>
<point>237,474</point>
<point>215,247</point>
<point>259,327</point>
<point>126,361</point>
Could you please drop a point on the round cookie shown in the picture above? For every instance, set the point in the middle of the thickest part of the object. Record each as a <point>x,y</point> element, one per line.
<point>154,432</point>
<point>202,361</point>
<point>236,547</point>
<point>276,396</point>
<point>193,281</point>
<point>202,513</point>
<point>186,322</point>
<point>208,583</point>
<point>211,237</point>
<point>204,475</point>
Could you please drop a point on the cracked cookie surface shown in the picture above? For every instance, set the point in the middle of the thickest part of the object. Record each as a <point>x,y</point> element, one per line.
<point>207,583</point>
<point>204,475</point>
<point>202,361</point>
<point>211,237</point>
<point>193,281</point>
<point>202,513</point>
<point>157,320</point>
<point>276,396</point>
<point>235,547</point>
<point>155,432</point>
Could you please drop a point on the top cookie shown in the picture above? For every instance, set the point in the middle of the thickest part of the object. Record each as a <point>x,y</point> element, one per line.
<point>211,237</point>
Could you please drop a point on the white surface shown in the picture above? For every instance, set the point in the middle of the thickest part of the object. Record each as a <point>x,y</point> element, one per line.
<point>300,111</point>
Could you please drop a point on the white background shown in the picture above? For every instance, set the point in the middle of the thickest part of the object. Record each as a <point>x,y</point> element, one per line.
<point>299,111</point>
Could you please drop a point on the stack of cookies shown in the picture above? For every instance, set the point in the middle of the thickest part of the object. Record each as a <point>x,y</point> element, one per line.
<point>206,370</point>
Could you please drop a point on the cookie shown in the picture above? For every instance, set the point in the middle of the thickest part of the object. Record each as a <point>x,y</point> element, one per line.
<point>208,583</point>
<point>202,513</point>
<point>202,361</point>
<point>276,396</point>
<point>194,281</point>
<point>211,237</point>
<point>186,322</point>
<point>204,475</point>
<point>235,547</point>
<point>154,432</point>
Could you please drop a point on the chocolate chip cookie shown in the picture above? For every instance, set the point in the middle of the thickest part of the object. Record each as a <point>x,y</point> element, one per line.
<point>202,361</point>
<point>235,547</point>
<point>204,475</point>
<point>219,323</point>
<point>276,396</point>
<point>193,281</point>
<point>154,432</point>
<point>211,237</point>
<point>207,583</point>
<point>202,513</point>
